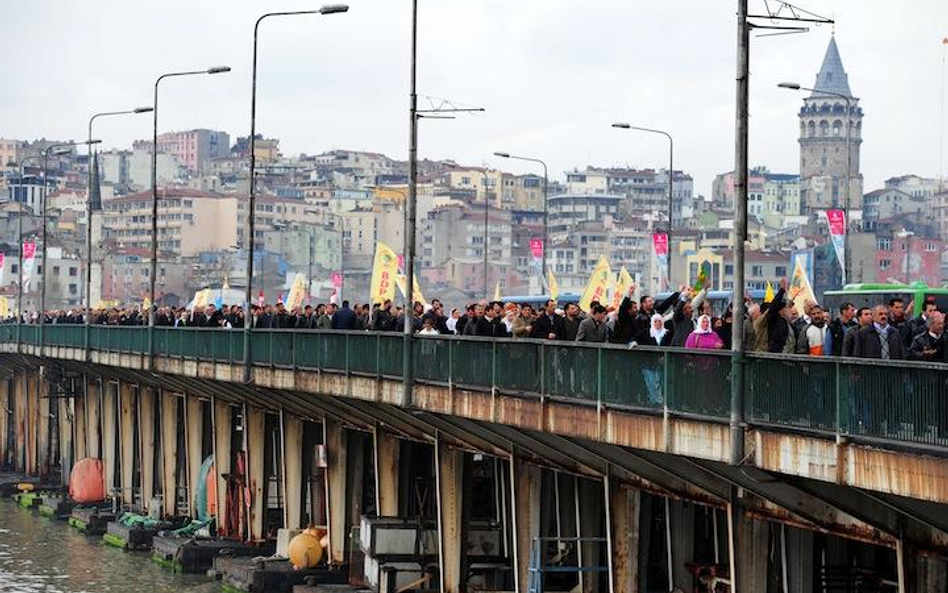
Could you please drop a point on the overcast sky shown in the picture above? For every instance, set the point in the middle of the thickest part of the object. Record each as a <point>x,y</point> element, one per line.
<point>551,74</point>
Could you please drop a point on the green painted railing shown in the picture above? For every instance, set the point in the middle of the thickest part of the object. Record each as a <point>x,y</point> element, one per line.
<point>903,401</point>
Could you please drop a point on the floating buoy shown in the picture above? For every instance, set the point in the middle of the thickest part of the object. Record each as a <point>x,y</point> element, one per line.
<point>305,551</point>
<point>24,487</point>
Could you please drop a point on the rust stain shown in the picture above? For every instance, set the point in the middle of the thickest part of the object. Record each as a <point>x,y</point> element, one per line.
<point>471,404</point>
<point>796,455</point>
<point>701,440</point>
<point>633,430</point>
<point>517,411</point>
<point>912,475</point>
<point>577,421</point>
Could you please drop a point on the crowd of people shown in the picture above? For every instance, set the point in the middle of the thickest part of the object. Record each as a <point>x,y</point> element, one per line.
<point>684,319</point>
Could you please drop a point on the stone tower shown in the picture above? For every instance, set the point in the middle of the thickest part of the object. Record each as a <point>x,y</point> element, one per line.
<point>823,140</point>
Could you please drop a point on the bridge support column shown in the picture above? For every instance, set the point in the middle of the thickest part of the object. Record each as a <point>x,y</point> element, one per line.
<point>255,425</point>
<point>79,438</point>
<point>109,434</point>
<point>223,431</point>
<point>44,407</point>
<point>624,507</point>
<point>93,405</point>
<point>127,441</point>
<point>919,574</point>
<point>336,495</point>
<point>450,478</point>
<point>526,481</point>
<point>292,471</point>
<point>194,421</point>
<point>387,450</point>
<point>169,452</point>
<point>748,547</point>
<point>66,426</point>
<point>6,403</point>
<point>146,443</point>
<point>20,421</point>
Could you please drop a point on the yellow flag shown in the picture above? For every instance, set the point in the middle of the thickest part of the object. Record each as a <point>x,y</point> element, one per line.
<point>201,298</point>
<point>553,286</point>
<point>297,292</point>
<point>598,287</point>
<point>4,307</point>
<point>621,287</point>
<point>146,304</point>
<point>497,292</point>
<point>800,281</point>
<point>384,273</point>
<point>417,296</point>
<point>769,293</point>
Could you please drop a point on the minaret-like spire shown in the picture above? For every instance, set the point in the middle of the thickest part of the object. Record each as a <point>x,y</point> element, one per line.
<point>832,76</point>
<point>95,189</point>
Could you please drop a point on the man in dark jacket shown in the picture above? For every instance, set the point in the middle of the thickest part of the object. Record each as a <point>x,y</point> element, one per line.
<point>879,340</point>
<point>594,328</point>
<point>648,307</point>
<point>863,319</point>
<point>839,327</point>
<point>929,346</point>
<point>918,325</point>
<point>571,322</point>
<point>625,326</point>
<point>344,318</point>
<point>549,325</point>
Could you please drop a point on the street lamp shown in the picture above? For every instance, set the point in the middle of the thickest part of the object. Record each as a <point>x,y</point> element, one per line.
<point>51,150</point>
<point>88,315</point>
<point>793,86</point>
<point>251,201</point>
<point>546,210</point>
<point>154,199</point>
<point>19,296</point>
<point>671,185</point>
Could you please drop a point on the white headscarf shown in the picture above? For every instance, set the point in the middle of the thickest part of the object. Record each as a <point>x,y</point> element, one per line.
<point>698,329</point>
<point>658,334</point>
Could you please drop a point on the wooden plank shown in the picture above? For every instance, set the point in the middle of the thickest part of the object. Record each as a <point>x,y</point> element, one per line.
<point>93,418</point>
<point>109,434</point>
<point>79,438</point>
<point>255,426</point>
<point>169,452</point>
<point>292,471</point>
<point>20,420</point>
<point>43,440</point>
<point>223,427</point>
<point>387,449</point>
<point>146,449</point>
<point>336,495</point>
<point>127,395</point>
<point>65,438</point>
<point>6,403</point>
<point>195,436</point>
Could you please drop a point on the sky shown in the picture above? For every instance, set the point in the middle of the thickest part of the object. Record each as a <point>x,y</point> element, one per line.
<point>552,75</point>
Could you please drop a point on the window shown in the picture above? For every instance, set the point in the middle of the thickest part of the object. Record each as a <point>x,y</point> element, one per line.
<point>885,264</point>
<point>757,270</point>
<point>728,269</point>
<point>884,244</point>
<point>73,271</point>
<point>780,271</point>
<point>55,270</point>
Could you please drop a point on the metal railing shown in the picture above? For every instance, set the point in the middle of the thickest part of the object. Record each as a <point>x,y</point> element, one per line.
<point>898,401</point>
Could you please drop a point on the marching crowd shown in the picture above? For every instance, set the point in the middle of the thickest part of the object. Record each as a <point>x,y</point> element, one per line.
<point>683,319</point>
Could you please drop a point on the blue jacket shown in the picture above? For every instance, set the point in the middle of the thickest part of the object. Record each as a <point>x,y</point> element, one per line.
<point>344,318</point>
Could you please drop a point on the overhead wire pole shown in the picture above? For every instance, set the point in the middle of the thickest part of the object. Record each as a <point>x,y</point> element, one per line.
<point>410,203</point>
<point>778,13</point>
<point>19,291</point>
<point>546,208</point>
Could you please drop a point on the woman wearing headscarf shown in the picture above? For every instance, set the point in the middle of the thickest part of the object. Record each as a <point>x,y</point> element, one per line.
<point>704,338</point>
<point>656,334</point>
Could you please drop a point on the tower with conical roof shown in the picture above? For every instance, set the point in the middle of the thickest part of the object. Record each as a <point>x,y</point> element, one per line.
<point>823,146</point>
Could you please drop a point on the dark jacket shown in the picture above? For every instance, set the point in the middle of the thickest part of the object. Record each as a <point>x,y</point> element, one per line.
<point>644,338</point>
<point>837,331</point>
<point>867,343</point>
<point>925,342</point>
<point>571,327</point>
<point>778,330</point>
<point>625,325</point>
<point>546,325</point>
<point>344,318</point>
<point>912,328</point>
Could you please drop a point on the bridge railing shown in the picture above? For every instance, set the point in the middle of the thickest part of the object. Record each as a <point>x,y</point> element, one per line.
<point>894,401</point>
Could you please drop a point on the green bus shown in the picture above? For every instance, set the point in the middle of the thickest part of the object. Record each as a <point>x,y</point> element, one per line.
<point>868,295</point>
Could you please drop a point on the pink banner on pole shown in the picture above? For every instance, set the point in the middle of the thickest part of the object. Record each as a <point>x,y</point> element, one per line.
<point>336,280</point>
<point>836,220</point>
<point>660,241</point>
<point>536,248</point>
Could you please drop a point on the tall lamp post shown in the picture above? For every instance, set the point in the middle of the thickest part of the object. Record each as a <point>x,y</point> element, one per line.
<point>671,186</point>
<point>793,86</point>
<point>154,200</point>
<point>342,244</point>
<point>19,296</point>
<point>51,150</point>
<point>546,209</point>
<point>88,299</point>
<point>251,201</point>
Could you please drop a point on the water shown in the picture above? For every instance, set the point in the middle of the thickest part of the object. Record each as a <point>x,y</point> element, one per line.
<point>38,555</point>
